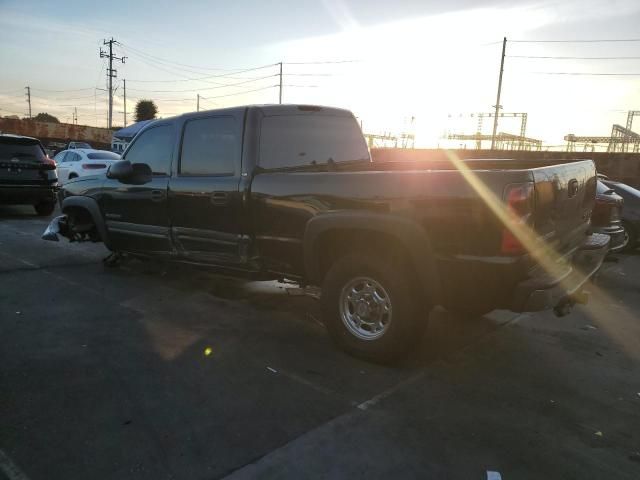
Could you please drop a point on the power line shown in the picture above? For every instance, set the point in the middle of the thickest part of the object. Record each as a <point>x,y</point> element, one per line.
<point>62,91</point>
<point>12,91</point>
<point>589,74</point>
<point>573,58</point>
<point>308,74</point>
<point>222,75</point>
<point>66,99</point>
<point>175,80</point>
<point>620,40</point>
<point>167,67</point>
<point>328,62</point>
<point>244,91</point>
<point>163,60</point>
<point>205,88</point>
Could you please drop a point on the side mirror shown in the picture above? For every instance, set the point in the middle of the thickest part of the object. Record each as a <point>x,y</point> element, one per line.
<point>121,170</point>
<point>130,173</point>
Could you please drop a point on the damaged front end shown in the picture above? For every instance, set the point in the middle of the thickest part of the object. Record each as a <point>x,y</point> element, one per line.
<point>57,226</point>
<point>69,227</point>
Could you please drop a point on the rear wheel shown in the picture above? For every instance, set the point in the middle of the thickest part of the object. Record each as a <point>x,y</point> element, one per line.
<point>72,176</point>
<point>370,307</point>
<point>44,209</point>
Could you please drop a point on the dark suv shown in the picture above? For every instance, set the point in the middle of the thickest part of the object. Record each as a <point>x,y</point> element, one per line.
<point>27,174</point>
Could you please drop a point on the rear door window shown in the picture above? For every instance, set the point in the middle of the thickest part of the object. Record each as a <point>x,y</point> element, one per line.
<point>154,147</point>
<point>293,140</point>
<point>210,146</point>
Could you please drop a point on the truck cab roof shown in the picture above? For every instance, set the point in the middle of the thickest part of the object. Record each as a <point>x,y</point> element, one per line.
<point>272,109</point>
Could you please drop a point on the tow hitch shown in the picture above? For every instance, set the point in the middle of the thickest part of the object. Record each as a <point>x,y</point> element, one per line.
<point>565,306</point>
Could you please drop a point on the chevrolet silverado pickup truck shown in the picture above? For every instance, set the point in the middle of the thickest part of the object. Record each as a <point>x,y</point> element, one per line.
<point>290,191</point>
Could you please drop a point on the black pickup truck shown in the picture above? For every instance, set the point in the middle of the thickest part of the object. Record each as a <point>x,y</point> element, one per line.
<point>290,191</point>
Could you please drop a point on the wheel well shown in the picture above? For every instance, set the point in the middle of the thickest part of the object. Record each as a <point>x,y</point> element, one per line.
<point>79,214</point>
<point>73,175</point>
<point>82,220</point>
<point>334,244</point>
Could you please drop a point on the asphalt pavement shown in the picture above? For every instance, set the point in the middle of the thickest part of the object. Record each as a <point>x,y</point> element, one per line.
<point>147,371</point>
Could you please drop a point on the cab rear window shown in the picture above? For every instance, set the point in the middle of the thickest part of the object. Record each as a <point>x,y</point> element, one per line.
<point>294,140</point>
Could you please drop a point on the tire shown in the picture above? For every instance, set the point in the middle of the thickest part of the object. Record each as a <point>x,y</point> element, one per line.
<point>72,176</point>
<point>632,238</point>
<point>44,209</point>
<point>401,318</point>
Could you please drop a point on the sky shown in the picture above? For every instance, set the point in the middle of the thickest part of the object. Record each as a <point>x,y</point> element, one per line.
<point>414,65</point>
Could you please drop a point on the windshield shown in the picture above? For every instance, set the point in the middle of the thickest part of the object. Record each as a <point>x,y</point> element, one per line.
<point>103,156</point>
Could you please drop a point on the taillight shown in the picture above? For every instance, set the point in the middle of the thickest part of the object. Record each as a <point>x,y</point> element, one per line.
<point>93,166</point>
<point>49,161</point>
<point>519,204</point>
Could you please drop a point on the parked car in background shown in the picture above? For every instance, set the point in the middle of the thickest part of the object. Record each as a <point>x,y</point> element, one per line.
<point>630,212</point>
<point>27,174</point>
<point>74,145</point>
<point>605,217</point>
<point>81,162</point>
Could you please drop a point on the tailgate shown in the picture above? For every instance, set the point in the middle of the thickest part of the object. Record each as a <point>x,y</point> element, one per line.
<point>565,195</point>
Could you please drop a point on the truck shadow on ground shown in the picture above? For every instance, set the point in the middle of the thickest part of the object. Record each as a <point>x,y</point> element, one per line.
<point>446,331</point>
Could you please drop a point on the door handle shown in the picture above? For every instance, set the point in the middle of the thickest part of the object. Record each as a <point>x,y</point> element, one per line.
<point>157,195</point>
<point>219,198</point>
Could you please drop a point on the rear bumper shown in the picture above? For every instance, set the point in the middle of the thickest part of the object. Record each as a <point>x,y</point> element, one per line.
<point>27,194</point>
<point>618,238</point>
<point>545,290</point>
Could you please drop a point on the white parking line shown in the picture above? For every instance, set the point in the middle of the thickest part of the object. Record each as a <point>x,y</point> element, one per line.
<point>381,396</point>
<point>10,469</point>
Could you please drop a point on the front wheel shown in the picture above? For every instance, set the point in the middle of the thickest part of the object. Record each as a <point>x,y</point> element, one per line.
<point>371,307</point>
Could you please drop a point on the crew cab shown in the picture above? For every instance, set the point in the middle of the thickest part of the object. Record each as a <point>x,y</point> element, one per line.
<point>290,191</point>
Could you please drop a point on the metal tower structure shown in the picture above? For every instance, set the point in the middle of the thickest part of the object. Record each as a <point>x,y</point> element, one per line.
<point>514,142</point>
<point>620,140</point>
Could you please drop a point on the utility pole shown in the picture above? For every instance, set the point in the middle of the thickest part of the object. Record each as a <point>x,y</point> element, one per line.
<point>495,118</point>
<point>29,99</point>
<point>124,86</point>
<point>111,74</point>
<point>75,115</point>
<point>198,103</point>
<point>280,98</point>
